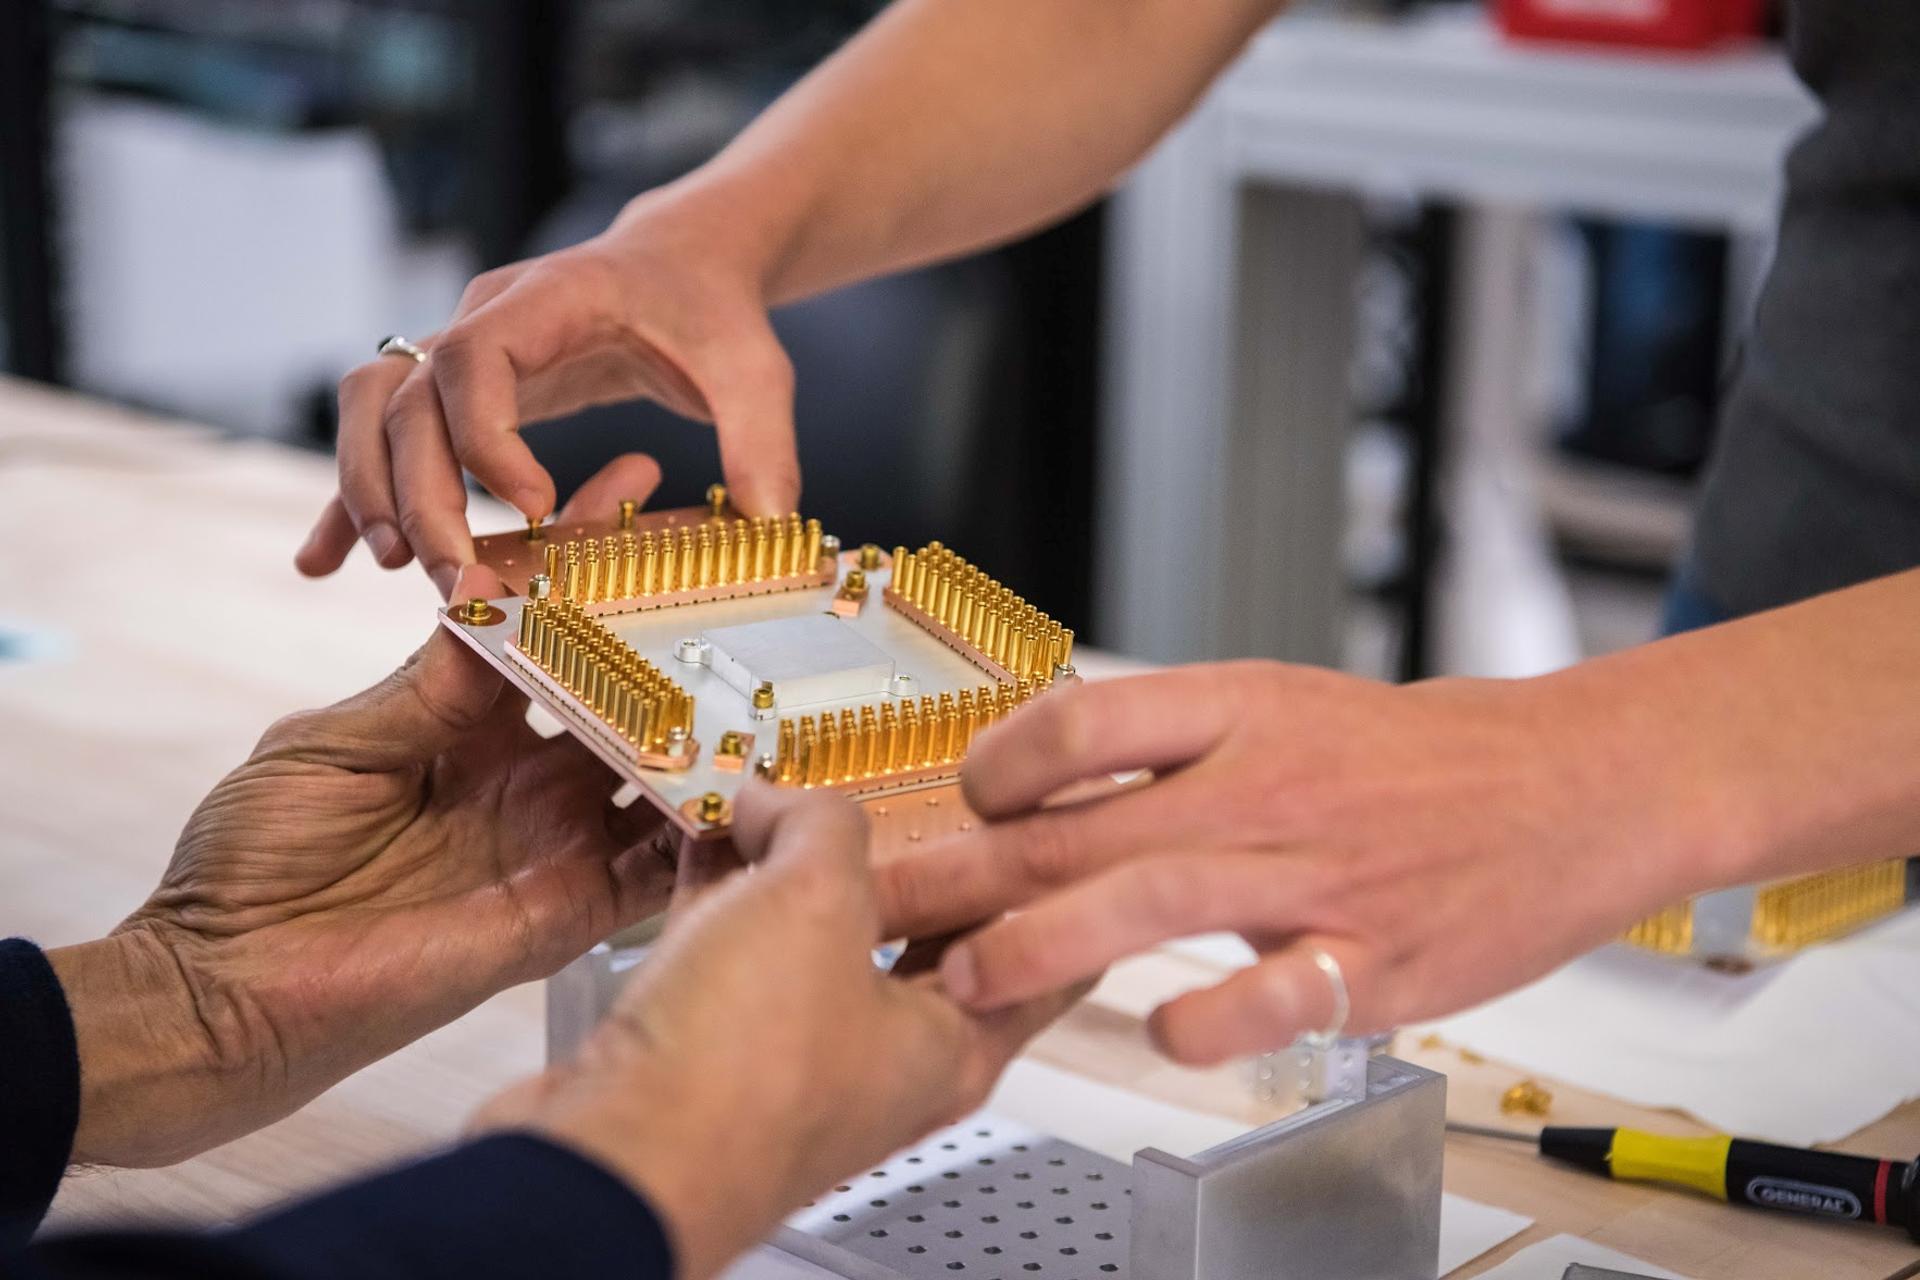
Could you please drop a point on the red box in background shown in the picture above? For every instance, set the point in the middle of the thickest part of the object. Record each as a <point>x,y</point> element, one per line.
<point>1661,24</point>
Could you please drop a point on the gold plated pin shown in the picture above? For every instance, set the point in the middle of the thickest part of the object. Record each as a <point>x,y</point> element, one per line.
<point>628,509</point>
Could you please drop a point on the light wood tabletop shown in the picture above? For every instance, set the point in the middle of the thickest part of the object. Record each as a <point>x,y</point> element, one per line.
<point>148,565</point>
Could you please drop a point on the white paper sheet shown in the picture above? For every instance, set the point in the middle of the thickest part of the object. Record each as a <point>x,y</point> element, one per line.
<point>1807,1051</point>
<point>1550,1259</point>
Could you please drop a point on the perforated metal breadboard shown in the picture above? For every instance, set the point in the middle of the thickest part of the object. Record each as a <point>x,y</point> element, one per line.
<point>986,1198</point>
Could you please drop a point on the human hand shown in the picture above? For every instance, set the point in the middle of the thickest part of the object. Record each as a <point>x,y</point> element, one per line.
<point>658,307</point>
<point>757,1056</point>
<point>374,870</point>
<point>1443,842</point>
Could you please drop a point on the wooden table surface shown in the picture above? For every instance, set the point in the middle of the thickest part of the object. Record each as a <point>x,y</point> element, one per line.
<point>151,561</point>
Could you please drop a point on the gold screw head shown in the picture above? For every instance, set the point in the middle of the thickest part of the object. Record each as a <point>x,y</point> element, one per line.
<point>763,696</point>
<point>855,579</point>
<point>628,509</point>
<point>869,556</point>
<point>713,807</point>
<point>716,498</point>
<point>534,532</point>
<point>477,611</point>
<point>730,744</point>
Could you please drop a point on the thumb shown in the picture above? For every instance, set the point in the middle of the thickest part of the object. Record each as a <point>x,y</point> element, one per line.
<point>443,694</point>
<point>751,398</point>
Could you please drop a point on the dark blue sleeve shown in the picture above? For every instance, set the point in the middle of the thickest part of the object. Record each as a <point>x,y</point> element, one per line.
<point>39,1089</point>
<point>507,1206</point>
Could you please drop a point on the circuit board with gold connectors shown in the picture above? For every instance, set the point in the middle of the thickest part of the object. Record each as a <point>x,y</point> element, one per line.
<point>1738,928</point>
<point>693,648</point>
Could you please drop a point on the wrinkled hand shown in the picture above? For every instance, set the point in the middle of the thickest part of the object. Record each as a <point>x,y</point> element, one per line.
<point>1442,841</point>
<point>650,309</point>
<point>374,870</point>
<point>757,1056</point>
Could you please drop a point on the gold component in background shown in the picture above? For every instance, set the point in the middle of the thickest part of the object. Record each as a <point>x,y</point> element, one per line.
<point>1792,913</point>
<point>1799,913</point>
<point>716,499</point>
<point>1528,1097</point>
<point>869,557</point>
<point>628,509</point>
<point>534,532</point>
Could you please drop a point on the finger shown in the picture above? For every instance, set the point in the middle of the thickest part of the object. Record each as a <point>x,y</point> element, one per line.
<point>631,475</point>
<point>429,492</point>
<point>814,847</point>
<point>1077,933</point>
<point>327,545</point>
<point>1144,722</point>
<point>999,865</point>
<point>443,695</point>
<point>479,386</point>
<point>699,865</point>
<point>1006,1032</point>
<point>1269,1005</point>
<point>751,398</point>
<point>366,470</point>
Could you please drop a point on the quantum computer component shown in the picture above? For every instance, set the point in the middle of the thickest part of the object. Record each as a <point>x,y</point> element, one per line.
<point>1755,924</point>
<point>693,648</point>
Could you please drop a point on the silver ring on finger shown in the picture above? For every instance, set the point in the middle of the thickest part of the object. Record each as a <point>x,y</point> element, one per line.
<point>1342,1005</point>
<point>395,345</point>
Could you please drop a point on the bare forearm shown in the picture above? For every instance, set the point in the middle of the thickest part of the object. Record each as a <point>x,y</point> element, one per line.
<point>948,125</point>
<point>1789,737</point>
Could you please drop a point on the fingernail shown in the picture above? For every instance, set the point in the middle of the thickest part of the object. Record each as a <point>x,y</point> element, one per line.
<point>382,538</point>
<point>446,577</point>
<point>958,975</point>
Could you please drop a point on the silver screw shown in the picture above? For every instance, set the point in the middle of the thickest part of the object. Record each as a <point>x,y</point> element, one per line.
<point>693,650</point>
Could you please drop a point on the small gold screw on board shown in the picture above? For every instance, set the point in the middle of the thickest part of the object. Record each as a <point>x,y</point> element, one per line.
<point>869,556</point>
<point>477,612</point>
<point>763,696</point>
<point>628,508</point>
<point>716,499</point>
<point>534,532</point>
<point>713,807</point>
<point>856,580</point>
<point>730,743</point>
<point>1526,1098</point>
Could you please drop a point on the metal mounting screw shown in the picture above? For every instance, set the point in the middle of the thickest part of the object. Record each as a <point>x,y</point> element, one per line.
<point>693,649</point>
<point>539,586</point>
<point>628,508</point>
<point>713,807</point>
<point>476,612</point>
<point>902,686</point>
<point>763,701</point>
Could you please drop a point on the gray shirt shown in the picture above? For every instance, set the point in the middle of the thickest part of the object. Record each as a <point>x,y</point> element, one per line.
<point>1815,482</point>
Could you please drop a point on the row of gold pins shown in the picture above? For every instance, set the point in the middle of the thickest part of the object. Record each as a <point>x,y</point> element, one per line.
<point>1022,640</point>
<point>635,698</point>
<point>626,566</point>
<point>823,750</point>
<point>1798,912</point>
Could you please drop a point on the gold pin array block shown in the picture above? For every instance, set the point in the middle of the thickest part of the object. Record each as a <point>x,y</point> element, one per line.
<point>995,627</point>
<point>658,565</point>
<point>629,695</point>
<point>1799,913</point>
<point>1670,931</point>
<point>1786,916</point>
<point>889,739</point>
